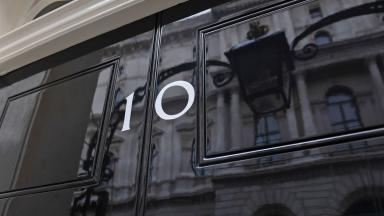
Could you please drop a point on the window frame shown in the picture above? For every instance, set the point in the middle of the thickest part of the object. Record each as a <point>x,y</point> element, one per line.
<point>345,91</point>
<point>268,132</point>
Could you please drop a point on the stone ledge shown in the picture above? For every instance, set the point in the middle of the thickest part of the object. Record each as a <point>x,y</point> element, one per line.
<point>71,24</point>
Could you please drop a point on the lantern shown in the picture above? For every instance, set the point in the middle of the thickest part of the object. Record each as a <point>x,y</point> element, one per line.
<point>263,67</point>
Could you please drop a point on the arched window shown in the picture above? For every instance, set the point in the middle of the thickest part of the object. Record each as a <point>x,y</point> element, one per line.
<point>267,130</point>
<point>322,38</point>
<point>315,12</point>
<point>342,109</point>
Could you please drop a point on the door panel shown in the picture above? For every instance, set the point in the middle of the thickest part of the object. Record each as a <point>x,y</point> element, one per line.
<point>63,128</point>
<point>49,203</point>
<point>123,160</point>
<point>276,80</point>
<point>45,121</point>
<point>283,123</point>
<point>244,107</point>
<point>118,186</point>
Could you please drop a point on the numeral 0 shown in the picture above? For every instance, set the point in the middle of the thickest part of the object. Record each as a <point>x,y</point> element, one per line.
<point>158,105</point>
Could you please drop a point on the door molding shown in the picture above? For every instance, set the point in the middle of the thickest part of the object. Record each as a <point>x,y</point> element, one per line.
<point>69,25</point>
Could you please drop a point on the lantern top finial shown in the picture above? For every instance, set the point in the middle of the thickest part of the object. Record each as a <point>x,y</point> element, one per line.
<point>256,30</point>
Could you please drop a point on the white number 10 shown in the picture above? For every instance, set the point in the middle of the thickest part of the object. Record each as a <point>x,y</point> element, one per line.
<point>158,105</point>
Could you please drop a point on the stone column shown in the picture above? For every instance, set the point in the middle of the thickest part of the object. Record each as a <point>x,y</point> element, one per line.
<point>220,123</point>
<point>292,121</point>
<point>288,24</point>
<point>177,151</point>
<point>236,124</point>
<point>283,22</point>
<point>226,40</point>
<point>165,154</point>
<point>306,112</point>
<point>377,80</point>
<point>276,22</point>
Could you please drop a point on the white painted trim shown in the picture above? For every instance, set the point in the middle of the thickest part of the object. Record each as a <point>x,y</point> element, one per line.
<point>40,5</point>
<point>73,23</point>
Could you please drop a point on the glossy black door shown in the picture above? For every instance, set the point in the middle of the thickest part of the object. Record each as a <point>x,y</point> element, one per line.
<point>63,151</point>
<point>287,98</point>
<point>241,107</point>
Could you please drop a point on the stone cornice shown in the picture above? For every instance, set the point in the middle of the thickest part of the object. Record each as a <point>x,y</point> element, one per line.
<point>71,24</point>
<point>359,48</point>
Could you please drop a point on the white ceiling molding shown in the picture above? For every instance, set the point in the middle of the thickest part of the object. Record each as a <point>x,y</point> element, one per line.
<point>38,7</point>
<point>71,24</point>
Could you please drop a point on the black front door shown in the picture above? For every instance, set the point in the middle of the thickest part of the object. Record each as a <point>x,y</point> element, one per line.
<point>248,107</point>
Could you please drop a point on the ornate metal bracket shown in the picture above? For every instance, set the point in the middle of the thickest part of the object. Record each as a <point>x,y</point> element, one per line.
<point>310,50</point>
<point>219,79</point>
<point>258,30</point>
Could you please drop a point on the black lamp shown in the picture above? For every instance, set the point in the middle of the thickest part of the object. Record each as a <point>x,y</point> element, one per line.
<point>263,67</point>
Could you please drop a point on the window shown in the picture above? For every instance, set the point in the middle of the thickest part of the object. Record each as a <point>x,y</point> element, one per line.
<point>315,12</point>
<point>342,109</point>
<point>267,130</point>
<point>322,38</point>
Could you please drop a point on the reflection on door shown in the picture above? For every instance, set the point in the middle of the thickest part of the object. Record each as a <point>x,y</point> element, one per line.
<point>270,82</point>
<point>273,92</point>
